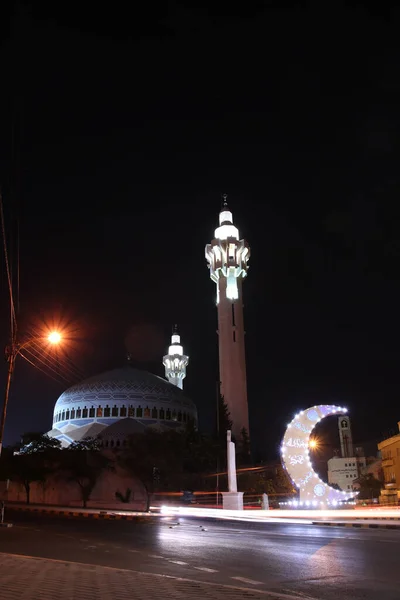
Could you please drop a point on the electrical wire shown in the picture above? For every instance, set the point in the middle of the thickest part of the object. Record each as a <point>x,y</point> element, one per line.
<point>13,318</point>
<point>44,363</point>
<point>39,369</point>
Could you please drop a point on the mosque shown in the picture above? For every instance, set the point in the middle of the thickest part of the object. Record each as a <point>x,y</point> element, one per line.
<point>121,402</point>
<point>118,403</point>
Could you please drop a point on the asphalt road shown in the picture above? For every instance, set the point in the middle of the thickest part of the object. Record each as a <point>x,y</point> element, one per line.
<point>324,563</point>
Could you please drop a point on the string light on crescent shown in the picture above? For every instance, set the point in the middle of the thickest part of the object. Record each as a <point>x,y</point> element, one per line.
<point>295,453</point>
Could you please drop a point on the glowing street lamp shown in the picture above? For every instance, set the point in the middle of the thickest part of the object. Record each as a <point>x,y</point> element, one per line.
<point>54,338</point>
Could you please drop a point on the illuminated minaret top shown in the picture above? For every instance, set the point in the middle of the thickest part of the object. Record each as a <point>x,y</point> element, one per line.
<point>175,362</point>
<point>227,258</point>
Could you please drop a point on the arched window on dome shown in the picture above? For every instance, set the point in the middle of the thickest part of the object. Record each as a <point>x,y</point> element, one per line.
<point>91,412</point>
<point>122,412</point>
<point>162,414</point>
<point>168,415</point>
<point>67,415</point>
<point>139,411</point>
<point>84,413</point>
<point>184,417</point>
<point>131,411</point>
<point>112,443</point>
<point>174,415</point>
<point>99,411</point>
<point>63,416</point>
<point>106,444</point>
<point>107,411</point>
<point>114,411</point>
<point>154,413</point>
<point>72,413</point>
<point>147,412</point>
<point>179,416</point>
<point>78,413</point>
<point>118,443</point>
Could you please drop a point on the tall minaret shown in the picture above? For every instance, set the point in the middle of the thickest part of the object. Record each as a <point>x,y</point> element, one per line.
<point>175,362</point>
<point>227,256</point>
<point>346,440</point>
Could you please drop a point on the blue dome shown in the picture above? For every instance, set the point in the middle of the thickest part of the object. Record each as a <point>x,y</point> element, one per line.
<point>87,408</point>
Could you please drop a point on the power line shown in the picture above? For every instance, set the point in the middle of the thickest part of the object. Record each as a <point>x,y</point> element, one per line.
<point>13,318</point>
<point>39,369</point>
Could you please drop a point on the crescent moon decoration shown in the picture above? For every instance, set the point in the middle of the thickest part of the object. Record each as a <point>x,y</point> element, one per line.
<point>296,458</point>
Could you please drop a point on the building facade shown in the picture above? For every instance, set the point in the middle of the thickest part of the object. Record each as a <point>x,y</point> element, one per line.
<point>390,452</point>
<point>344,471</point>
<point>227,257</point>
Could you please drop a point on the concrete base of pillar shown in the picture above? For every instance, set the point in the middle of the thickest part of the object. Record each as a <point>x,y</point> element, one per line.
<point>232,500</point>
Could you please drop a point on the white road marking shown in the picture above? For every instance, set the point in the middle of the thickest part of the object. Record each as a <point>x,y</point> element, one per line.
<point>206,569</point>
<point>178,562</point>
<point>133,550</point>
<point>155,556</point>
<point>245,580</point>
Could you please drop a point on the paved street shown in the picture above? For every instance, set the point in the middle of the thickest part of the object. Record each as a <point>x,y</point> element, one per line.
<point>288,560</point>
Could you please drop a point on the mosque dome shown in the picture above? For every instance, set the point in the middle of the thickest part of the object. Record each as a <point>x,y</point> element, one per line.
<point>116,404</point>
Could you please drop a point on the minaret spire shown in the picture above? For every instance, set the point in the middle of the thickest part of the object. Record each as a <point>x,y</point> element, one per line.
<point>175,362</point>
<point>227,257</point>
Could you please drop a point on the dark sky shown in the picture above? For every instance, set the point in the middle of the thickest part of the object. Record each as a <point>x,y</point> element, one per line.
<point>120,131</point>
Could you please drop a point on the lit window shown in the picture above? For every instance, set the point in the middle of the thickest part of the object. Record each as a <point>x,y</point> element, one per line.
<point>100,411</point>
<point>131,411</point>
<point>147,412</point>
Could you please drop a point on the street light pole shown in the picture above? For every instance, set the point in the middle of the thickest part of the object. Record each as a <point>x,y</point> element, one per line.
<point>11,354</point>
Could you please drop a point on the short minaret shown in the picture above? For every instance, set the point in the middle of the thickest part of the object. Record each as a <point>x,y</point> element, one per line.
<point>228,256</point>
<point>175,362</point>
<point>346,440</point>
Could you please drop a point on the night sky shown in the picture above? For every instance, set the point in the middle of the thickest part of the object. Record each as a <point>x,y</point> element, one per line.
<point>119,133</point>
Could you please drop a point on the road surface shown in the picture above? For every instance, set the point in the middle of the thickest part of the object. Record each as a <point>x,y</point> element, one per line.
<point>296,560</point>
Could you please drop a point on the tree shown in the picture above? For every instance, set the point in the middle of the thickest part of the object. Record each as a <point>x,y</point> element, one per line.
<point>243,455</point>
<point>369,487</point>
<point>36,460</point>
<point>170,460</point>
<point>224,421</point>
<point>84,463</point>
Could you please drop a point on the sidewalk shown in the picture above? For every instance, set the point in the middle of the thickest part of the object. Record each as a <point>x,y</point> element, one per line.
<point>29,578</point>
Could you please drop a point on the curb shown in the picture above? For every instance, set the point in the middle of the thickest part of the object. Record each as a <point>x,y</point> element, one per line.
<point>78,514</point>
<point>357,525</point>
